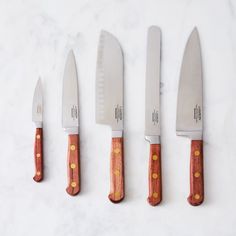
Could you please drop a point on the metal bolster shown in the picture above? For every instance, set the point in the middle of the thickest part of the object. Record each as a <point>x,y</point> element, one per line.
<point>117,133</point>
<point>39,124</point>
<point>194,135</point>
<point>72,130</point>
<point>153,139</point>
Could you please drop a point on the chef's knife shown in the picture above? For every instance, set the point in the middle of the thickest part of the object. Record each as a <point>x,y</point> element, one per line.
<point>70,123</point>
<point>37,117</point>
<point>190,114</point>
<point>152,114</point>
<point>109,106</point>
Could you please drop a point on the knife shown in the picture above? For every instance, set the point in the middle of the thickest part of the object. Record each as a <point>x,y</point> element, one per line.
<point>152,114</point>
<point>190,114</point>
<point>70,123</point>
<point>109,107</point>
<point>37,117</point>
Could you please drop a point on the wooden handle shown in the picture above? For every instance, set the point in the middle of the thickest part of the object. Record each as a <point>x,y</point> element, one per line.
<point>117,171</point>
<point>38,155</point>
<point>73,165</point>
<point>154,175</point>
<point>196,196</point>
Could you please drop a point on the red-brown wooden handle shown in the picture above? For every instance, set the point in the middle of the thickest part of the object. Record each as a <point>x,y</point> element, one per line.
<point>38,155</point>
<point>117,171</point>
<point>196,196</point>
<point>154,175</point>
<point>73,165</point>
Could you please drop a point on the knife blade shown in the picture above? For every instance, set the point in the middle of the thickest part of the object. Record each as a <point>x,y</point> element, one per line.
<point>152,114</point>
<point>190,113</point>
<point>37,118</point>
<point>70,123</point>
<point>109,106</point>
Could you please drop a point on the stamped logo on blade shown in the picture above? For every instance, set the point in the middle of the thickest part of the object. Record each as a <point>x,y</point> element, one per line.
<point>155,117</point>
<point>74,112</point>
<point>118,113</point>
<point>197,113</point>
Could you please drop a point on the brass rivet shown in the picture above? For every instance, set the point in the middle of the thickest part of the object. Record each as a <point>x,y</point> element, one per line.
<point>154,176</point>
<point>38,173</point>
<point>196,153</point>
<point>72,165</point>
<point>72,147</point>
<point>154,157</point>
<point>196,196</point>
<point>38,136</point>
<point>117,194</point>
<point>155,195</point>
<point>196,174</point>
<point>116,151</point>
<point>73,184</point>
<point>116,172</point>
<point>38,155</point>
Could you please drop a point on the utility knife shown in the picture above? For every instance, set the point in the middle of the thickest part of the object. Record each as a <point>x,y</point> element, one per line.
<point>70,123</point>
<point>190,114</point>
<point>109,107</point>
<point>152,114</point>
<point>37,117</point>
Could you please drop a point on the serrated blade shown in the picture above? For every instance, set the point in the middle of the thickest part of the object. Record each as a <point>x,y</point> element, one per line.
<point>152,106</point>
<point>109,82</point>
<point>37,108</point>
<point>70,100</point>
<point>189,108</point>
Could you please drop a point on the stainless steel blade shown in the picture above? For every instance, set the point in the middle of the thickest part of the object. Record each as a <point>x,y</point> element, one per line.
<point>109,82</point>
<point>189,108</point>
<point>37,108</point>
<point>152,106</point>
<point>70,100</point>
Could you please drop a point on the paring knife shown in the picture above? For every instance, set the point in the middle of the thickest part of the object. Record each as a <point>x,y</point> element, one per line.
<point>109,106</point>
<point>70,123</point>
<point>152,114</point>
<point>37,117</point>
<point>190,114</point>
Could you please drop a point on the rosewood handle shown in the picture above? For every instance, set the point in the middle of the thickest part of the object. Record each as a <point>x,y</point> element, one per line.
<point>73,165</point>
<point>38,155</point>
<point>154,175</point>
<point>196,196</point>
<point>117,171</point>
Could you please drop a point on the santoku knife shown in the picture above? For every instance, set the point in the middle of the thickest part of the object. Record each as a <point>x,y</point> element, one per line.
<point>37,117</point>
<point>190,114</point>
<point>152,114</point>
<point>70,123</point>
<point>109,106</point>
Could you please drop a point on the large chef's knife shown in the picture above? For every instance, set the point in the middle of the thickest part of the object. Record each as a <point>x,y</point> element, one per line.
<point>152,114</point>
<point>109,106</point>
<point>190,114</point>
<point>37,117</point>
<point>70,123</point>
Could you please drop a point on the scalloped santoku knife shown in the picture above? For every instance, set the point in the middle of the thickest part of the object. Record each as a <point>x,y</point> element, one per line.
<point>109,106</point>
<point>190,114</point>
<point>37,118</point>
<point>70,123</point>
<point>152,114</point>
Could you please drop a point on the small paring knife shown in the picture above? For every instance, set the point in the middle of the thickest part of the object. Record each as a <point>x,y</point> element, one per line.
<point>37,117</point>
<point>190,114</point>
<point>152,114</point>
<point>70,123</point>
<point>109,107</point>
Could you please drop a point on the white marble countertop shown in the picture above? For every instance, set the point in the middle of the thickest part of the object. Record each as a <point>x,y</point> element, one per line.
<point>35,37</point>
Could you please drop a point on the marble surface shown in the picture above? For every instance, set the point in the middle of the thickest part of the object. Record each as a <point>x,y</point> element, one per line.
<point>35,37</point>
